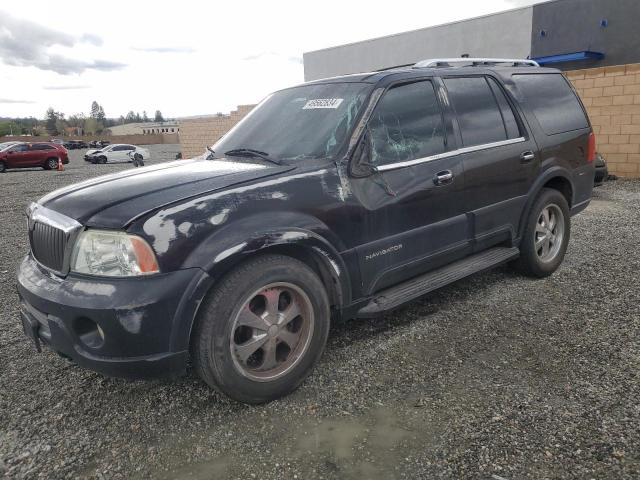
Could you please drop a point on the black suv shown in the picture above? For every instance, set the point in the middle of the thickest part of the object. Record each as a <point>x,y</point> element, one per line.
<point>345,197</point>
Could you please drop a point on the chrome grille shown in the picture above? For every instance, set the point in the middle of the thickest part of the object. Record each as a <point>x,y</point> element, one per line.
<point>48,245</point>
<point>51,236</point>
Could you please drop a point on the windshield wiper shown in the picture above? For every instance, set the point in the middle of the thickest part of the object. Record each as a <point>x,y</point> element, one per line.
<point>250,152</point>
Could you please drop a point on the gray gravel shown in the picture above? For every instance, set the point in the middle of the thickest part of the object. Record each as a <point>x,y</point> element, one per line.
<point>496,376</point>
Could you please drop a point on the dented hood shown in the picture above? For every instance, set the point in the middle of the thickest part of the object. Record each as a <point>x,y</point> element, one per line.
<point>114,201</point>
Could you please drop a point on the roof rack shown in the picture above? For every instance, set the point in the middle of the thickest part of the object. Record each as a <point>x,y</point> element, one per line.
<point>474,62</point>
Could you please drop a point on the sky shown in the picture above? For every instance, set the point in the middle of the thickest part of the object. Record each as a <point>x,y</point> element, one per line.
<point>185,57</point>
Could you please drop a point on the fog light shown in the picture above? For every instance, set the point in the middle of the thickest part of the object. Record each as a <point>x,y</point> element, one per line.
<point>89,332</point>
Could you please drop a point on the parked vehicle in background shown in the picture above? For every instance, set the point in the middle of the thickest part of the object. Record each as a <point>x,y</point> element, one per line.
<point>75,144</point>
<point>29,155</point>
<point>116,153</point>
<point>57,141</point>
<point>602,172</point>
<point>99,143</point>
<point>340,198</point>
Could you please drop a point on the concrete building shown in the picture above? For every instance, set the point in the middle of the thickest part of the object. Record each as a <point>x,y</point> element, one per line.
<point>146,128</point>
<point>596,42</point>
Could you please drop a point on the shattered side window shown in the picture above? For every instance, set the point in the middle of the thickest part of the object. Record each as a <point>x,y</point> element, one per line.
<point>407,124</point>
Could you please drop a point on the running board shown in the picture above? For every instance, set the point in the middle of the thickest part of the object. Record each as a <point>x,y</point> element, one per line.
<point>416,287</point>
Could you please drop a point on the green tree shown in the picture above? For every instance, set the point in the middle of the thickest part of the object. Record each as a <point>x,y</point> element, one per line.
<point>92,126</point>
<point>95,110</point>
<point>76,120</point>
<point>100,115</point>
<point>145,117</point>
<point>51,121</point>
<point>130,118</point>
<point>9,128</point>
<point>158,117</point>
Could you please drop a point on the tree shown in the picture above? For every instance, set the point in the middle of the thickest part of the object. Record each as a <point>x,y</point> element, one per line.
<point>51,119</point>
<point>158,117</point>
<point>95,110</point>
<point>76,120</point>
<point>145,118</point>
<point>92,126</point>
<point>138,117</point>
<point>130,118</point>
<point>100,115</point>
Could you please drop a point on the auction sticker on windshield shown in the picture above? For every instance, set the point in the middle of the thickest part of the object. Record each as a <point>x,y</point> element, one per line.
<point>323,103</point>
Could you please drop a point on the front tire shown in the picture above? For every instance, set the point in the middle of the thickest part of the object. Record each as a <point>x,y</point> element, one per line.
<point>546,235</point>
<point>262,330</point>
<point>51,164</point>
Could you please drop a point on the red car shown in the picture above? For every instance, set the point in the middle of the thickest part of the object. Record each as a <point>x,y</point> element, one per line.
<point>25,155</point>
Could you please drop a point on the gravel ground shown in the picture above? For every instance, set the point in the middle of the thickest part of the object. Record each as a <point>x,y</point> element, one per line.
<point>497,376</point>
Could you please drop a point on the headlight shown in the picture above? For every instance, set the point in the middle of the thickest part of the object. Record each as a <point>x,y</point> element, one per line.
<point>112,254</point>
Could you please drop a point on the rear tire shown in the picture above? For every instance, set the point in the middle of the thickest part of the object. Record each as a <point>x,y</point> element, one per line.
<point>102,159</point>
<point>262,330</point>
<point>546,235</point>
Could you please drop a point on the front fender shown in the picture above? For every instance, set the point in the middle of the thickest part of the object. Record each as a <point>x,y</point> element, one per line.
<point>237,241</point>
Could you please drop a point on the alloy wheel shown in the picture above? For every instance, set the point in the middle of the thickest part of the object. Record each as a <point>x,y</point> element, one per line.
<point>271,331</point>
<point>549,233</point>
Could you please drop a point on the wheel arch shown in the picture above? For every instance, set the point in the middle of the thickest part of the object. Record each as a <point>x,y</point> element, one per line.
<point>305,246</point>
<point>557,178</point>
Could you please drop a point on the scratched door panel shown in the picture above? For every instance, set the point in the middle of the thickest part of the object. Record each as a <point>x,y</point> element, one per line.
<point>409,218</point>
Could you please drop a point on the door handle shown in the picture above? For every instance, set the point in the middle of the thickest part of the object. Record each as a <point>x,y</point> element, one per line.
<point>526,157</point>
<point>443,178</point>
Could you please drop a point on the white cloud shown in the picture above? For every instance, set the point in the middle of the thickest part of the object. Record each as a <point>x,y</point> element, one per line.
<point>11,101</point>
<point>24,43</point>
<point>193,58</point>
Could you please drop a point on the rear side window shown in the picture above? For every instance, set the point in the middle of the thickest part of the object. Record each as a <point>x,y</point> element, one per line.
<point>41,146</point>
<point>553,102</point>
<point>407,124</point>
<point>479,116</point>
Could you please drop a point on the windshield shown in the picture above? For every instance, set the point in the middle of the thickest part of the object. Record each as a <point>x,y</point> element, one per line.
<point>6,145</point>
<point>311,121</point>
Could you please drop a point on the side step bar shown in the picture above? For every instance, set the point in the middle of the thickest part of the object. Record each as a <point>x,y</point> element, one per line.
<point>398,295</point>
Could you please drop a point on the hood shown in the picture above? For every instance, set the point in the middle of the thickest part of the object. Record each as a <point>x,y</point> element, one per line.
<point>92,151</point>
<point>114,201</point>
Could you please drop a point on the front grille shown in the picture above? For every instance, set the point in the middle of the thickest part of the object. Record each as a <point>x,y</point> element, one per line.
<point>48,245</point>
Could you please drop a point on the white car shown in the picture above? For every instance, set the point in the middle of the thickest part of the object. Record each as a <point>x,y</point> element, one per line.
<point>116,153</point>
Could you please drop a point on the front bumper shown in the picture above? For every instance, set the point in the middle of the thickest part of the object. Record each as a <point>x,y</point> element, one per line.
<point>129,327</point>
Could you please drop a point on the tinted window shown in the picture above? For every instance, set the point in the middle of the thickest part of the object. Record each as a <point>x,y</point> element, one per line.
<point>508,117</point>
<point>407,124</point>
<point>478,114</point>
<point>122,148</point>
<point>553,102</point>
<point>19,148</point>
<point>41,146</point>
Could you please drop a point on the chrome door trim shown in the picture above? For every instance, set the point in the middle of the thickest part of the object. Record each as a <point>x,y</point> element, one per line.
<point>459,151</point>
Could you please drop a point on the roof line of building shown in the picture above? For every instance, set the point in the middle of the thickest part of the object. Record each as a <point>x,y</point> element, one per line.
<point>432,26</point>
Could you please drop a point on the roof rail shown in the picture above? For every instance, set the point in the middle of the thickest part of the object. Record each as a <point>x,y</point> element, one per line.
<point>474,62</point>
